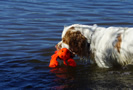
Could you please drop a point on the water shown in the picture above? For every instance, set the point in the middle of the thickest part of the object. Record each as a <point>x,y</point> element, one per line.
<point>29,30</point>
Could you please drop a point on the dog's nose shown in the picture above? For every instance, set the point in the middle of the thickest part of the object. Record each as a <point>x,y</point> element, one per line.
<point>57,47</point>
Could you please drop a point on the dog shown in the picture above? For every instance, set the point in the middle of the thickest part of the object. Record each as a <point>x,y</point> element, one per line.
<point>106,47</point>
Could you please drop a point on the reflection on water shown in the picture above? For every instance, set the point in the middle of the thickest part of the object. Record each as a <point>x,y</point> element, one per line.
<point>64,76</point>
<point>91,77</point>
<point>29,30</point>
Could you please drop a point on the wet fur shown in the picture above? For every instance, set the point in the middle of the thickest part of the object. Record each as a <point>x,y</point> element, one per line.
<point>108,47</point>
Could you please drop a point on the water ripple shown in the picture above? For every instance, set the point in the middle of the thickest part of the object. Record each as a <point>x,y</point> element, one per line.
<point>29,30</point>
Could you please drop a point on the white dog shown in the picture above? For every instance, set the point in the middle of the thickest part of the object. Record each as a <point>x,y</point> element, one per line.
<point>106,47</point>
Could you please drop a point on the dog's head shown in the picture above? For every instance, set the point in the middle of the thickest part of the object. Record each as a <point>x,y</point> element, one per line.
<point>75,41</point>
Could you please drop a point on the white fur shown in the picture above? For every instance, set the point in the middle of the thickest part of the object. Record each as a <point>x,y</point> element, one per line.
<point>102,43</point>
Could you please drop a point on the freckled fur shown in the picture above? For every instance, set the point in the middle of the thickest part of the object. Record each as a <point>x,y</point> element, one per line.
<point>108,47</point>
<point>118,44</point>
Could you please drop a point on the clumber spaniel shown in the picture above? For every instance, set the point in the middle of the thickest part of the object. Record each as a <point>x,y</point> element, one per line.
<point>107,47</point>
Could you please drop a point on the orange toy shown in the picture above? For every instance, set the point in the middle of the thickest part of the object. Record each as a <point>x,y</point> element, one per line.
<point>65,55</point>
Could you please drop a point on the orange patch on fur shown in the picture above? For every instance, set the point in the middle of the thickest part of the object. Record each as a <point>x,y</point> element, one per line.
<point>118,44</point>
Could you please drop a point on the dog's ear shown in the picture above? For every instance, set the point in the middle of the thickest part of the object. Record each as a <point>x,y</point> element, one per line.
<point>77,42</point>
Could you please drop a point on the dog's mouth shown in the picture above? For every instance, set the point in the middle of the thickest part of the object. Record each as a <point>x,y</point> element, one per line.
<point>72,54</point>
<point>58,47</point>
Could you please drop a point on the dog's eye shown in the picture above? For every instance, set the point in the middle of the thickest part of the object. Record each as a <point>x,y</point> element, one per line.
<point>63,40</point>
<point>62,51</point>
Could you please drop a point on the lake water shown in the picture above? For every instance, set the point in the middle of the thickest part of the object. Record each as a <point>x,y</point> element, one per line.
<point>29,30</point>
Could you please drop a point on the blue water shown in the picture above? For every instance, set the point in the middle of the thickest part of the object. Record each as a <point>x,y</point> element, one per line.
<point>29,30</point>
